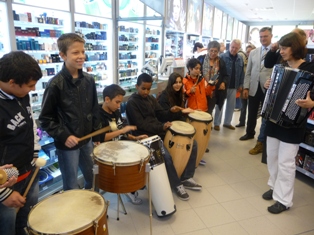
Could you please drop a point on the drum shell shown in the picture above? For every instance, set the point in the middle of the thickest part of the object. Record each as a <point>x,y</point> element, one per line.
<point>162,196</point>
<point>179,146</point>
<point>58,227</point>
<point>202,135</point>
<point>121,177</point>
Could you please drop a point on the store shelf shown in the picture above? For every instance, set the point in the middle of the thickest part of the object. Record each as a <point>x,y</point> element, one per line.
<point>307,147</point>
<point>305,172</point>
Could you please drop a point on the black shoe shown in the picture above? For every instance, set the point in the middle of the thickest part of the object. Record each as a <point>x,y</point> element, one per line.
<point>268,195</point>
<point>277,208</point>
<point>239,125</point>
<point>247,137</point>
<point>207,150</point>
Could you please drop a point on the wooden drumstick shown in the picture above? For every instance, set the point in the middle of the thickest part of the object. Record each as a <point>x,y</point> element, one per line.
<point>112,126</point>
<point>40,162</point>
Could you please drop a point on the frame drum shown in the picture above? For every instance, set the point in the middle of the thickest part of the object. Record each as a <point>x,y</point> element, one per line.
<point>71,212</point>
<point>179,142</point>
<point>121,166</point>
<point>202,123</point>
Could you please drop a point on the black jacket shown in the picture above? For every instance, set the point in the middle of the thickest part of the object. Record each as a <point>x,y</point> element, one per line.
<point>147,115</point>
<point>70,107</point>
<point>16,132</point>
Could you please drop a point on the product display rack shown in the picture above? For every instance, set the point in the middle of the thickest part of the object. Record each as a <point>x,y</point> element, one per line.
<point>130,53</point>
<point>152,46</point>
<point>174,44</point>
<point>191,39</point>
<point>305,157</point>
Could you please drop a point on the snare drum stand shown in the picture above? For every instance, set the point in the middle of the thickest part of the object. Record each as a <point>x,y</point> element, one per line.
<point>119,199</point>
<point>147,170</point>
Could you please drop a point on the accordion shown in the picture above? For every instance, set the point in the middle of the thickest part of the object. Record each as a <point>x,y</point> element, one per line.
<point>286,86</point>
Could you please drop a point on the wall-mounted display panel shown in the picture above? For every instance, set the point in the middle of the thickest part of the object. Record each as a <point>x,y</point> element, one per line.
<point>280,30</point>
<point>244,33</point>
<point>176,15</point>
<point>240,28</point>
<point>224,26</point>
<point>95,7</point>
<point>229,28</point>
<point>217,23</point>
<point>235,29</point>
<point>207,25</point>
<point>4,30</point>
<point>131,8</point>
<point>62,5</point>
<point>194,16</point>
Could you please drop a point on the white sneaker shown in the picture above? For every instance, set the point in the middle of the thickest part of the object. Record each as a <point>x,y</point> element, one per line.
<point>134,198</point>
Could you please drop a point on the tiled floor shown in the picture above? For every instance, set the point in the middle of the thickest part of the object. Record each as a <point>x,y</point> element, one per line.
<point>230,202</point>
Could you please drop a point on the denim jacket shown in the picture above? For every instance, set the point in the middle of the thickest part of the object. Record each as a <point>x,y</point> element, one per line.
<point>239,65</point>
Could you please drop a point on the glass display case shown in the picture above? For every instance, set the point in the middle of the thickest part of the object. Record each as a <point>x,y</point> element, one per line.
<point>174,44</point>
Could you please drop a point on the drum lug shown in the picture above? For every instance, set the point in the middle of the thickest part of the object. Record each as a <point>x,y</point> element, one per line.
<point>205,131</point>
<point>95,226</point>
<point>114,168</point>
<point>142,163</point>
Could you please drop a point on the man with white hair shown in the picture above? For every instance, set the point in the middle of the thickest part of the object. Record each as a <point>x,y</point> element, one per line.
<point>234,64</point>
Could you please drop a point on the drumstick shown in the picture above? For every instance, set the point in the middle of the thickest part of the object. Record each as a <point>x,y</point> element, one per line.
<point>40,162</point>
<point>112,126</point>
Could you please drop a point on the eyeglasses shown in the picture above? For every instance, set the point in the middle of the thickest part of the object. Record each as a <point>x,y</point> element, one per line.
<point>213,51</point>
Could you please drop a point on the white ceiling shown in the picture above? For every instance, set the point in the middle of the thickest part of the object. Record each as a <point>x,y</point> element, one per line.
<point>254,12</point>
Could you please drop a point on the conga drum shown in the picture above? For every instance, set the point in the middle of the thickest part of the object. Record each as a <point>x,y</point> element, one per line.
<point>121,166</point>
<point>202,123</point>
<point>179,142</point>
<point>162,197</point>
<point>75,211</point>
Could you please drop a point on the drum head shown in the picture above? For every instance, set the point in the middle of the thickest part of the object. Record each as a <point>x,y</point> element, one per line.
<point>67,212</point>
<point>182,128</point>
<point>121,153</point>
<point>200,116</point>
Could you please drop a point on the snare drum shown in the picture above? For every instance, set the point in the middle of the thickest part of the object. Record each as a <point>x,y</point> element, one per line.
<point>71,212</point>
<point>162,197</point>
<point>179,142</point>
<point>202,123</point>
<point>121,166</point>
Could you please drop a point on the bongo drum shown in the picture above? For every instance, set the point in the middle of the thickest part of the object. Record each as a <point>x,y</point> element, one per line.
<point>80,212</point>
<point>202,123</point>
<point>162,197</point>
<point>121,166</point>
<point>179,142</point>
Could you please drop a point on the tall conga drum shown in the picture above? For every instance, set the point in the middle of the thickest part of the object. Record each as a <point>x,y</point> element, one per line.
<point>202,123</point>
<point>75,211</point>
<point>179,142</point>
<point>121,166</point>
<point>162,197</point>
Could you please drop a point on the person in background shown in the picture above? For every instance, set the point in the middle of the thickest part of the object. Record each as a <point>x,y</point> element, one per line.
<point>243,109</point>
<point>19,146</point>
<point>70,111</point>
<point>255,77</point>
<point>235,71</point>
<point>283,143</point>
<point>222,48</point>
<point>214,66</point>
<point>144,112</point>
<point>112,99</point>
<point>199,50</point>
<point>196,87</point>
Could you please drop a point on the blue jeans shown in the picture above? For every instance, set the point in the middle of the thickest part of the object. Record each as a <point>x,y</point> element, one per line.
<point>230,104</point>
<point>12,223</point>
<point>242,117</point>
<point>187,173</point>
<point>70,160</point>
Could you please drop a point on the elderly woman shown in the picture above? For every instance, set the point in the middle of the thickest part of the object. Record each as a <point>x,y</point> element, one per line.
<point>214,67</point>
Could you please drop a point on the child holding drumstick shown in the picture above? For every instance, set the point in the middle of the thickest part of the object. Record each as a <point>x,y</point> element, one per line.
<point>113,97</point>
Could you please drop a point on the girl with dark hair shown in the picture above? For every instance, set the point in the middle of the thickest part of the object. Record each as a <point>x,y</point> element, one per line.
<point>283,143</point>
